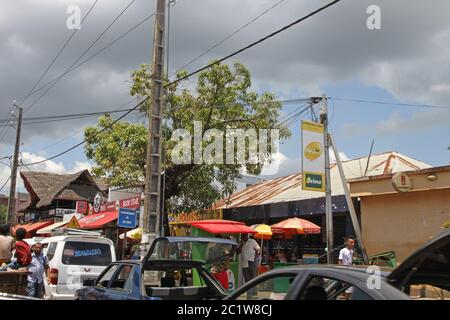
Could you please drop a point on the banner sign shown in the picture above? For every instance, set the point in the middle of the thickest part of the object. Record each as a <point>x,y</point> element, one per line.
<point>132,203</point>
<point>82,207</point>
<point>313,158</point>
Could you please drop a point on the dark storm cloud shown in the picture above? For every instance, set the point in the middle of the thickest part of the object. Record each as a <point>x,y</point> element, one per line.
<point>331,48</point>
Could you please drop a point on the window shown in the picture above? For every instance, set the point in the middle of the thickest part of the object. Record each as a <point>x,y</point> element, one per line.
<point>104,280</point>
<point>86,253</point>
<point>123,279</point>
<point>171,278</point>
<point>322,288</point>
<point>274,288</point>
<point>51,250</point>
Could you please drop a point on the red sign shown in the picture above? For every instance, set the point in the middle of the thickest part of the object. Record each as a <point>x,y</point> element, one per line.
<point>82,207</point>
<point>108,207</point>
<point>132,203</point>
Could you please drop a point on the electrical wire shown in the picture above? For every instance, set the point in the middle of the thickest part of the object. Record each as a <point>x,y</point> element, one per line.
<point>81,56</point>
<point>6,182</point>
<point>227,37</point>
<point>98,52</point>
<point>390,103</point>
<point>198,71</point>
<point>58,54</point>
<point>85,140</point>
<point>271,35</point>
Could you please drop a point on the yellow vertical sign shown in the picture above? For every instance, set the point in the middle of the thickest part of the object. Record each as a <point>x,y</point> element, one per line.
<point>313,158</point>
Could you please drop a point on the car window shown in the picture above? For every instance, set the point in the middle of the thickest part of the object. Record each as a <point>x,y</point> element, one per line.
<point>86,253</point>
<point>104,280</point>
<point>324,288</point>
<point>123,279</point>
<point>273,288</point>
<point>51,250</point>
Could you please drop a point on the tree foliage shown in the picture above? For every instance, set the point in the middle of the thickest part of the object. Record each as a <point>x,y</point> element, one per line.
<point>222,100</point>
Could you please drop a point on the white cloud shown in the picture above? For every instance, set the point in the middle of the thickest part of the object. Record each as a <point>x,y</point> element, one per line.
<point>79,166</point>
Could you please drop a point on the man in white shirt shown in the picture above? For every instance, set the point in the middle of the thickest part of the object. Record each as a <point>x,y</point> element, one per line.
<point>249,249</point>
<point>346,258</point>
<point>346,254</point>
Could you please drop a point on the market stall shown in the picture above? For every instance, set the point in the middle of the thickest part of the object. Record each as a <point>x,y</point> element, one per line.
<point>214,228</point>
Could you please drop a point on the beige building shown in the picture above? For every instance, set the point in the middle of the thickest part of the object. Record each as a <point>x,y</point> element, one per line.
<point>402,211</point>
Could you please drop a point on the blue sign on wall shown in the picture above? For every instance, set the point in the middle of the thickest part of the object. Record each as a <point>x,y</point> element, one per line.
<point>128,218</point>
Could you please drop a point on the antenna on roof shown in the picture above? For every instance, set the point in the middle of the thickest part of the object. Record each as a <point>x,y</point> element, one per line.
<point>368,158</point>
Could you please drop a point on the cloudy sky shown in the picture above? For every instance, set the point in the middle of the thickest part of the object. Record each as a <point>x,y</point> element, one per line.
<point>407,61</point>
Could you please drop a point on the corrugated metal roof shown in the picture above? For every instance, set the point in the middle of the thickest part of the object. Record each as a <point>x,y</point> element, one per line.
<point>289,188</point>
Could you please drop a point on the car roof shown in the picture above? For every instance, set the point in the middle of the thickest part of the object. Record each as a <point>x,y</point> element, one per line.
<point>359,272</point>
<point>74,237</point>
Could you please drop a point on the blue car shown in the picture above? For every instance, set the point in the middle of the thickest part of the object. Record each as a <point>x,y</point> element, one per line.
<point>175,268</point>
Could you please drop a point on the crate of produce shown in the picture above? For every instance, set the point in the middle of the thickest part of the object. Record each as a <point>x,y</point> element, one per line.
<point>13,282</point>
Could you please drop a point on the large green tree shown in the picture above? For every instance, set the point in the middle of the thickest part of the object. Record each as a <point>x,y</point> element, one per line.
<point>222,99</point>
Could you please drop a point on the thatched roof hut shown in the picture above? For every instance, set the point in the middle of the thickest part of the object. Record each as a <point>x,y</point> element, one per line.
<point>50,190</point>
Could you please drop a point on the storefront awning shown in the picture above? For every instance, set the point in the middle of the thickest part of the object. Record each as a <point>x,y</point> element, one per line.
<point>98,220</point>
<point>31,227</point>
<point>50,228</point>
<point>221,226</point>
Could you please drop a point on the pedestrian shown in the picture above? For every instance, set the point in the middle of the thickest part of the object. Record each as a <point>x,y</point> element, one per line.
<point>37,269</point>
<point>249,250</point>
<point>6,245</point>
<point>22,257</point>
<point>346,254</point>
<point>346,258</point>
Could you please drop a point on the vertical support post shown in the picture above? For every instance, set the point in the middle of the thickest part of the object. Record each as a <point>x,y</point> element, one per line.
<point>328,199</point>
<point>350,204</point>
<point>153,157</point>
<point>12,215</point>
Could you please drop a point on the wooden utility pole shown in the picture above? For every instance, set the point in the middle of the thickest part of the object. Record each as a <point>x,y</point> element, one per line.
<point>351,208</point>
<point>155,114</point>
<point>12,218</point>
<point>328,201</point>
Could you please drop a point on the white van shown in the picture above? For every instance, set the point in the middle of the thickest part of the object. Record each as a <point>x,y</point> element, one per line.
<point>74,259</point>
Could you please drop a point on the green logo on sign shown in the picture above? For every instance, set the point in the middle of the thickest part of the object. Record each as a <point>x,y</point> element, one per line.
<point>313,181</point>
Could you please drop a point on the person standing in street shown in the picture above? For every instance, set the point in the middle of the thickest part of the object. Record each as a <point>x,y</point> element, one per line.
<point>37,270</point>
<point>6,244</point>
<point>346,258</point>
<point>249,250</point>
<point>346,254</point>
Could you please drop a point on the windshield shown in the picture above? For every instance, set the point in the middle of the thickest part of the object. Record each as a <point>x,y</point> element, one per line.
<point>194,250</point>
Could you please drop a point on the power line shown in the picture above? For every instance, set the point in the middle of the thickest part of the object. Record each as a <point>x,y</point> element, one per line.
<point>228,37</point>
<point>81,56</point>
<point>198,71</point>
<point>97,53</point>
<point>6,182</point>
<point>68,116</point>
<point>69,136</point>
<point>58,53</point>
<point>390,103</point>
<point>256,42</point>
<point>85,140</point>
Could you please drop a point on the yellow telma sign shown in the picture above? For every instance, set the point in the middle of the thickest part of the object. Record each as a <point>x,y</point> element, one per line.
<point>313,159</point>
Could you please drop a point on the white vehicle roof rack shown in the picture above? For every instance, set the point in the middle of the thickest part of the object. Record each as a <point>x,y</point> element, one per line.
<point>79,232</point>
